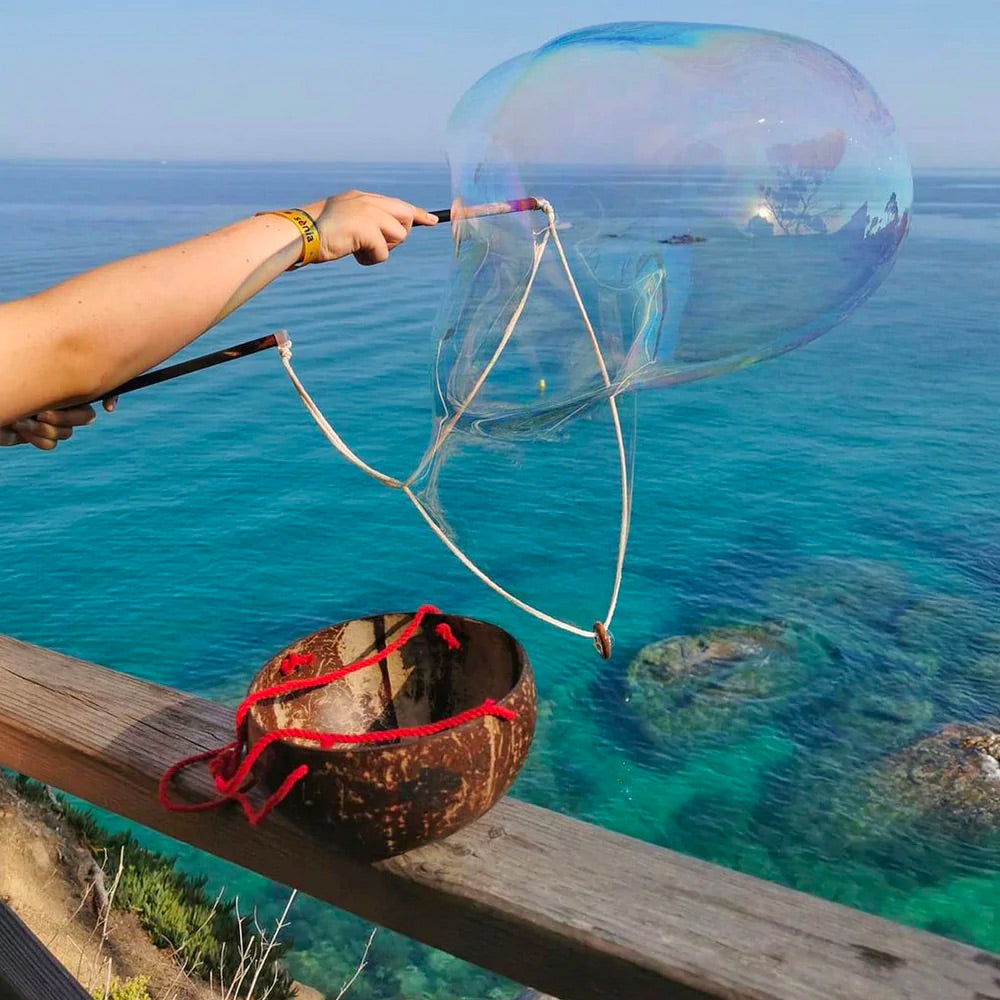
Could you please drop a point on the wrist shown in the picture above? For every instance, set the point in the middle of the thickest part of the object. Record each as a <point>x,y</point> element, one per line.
<point>316,210</point>
<point>302,221</point>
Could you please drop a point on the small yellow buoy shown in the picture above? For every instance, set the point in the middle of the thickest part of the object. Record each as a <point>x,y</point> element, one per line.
<point>541,385</point>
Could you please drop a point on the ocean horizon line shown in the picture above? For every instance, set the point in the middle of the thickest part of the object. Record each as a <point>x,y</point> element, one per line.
<point>278,164</point>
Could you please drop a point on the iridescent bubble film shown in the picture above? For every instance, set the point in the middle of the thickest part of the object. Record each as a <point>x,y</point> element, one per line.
<point>723,195</point>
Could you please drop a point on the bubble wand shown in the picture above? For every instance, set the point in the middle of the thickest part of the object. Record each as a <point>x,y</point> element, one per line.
<point>600,630</point>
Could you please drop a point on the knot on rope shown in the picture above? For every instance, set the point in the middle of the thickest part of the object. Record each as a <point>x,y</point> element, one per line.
<point>295,660</point>
<point>444,631</point>
<point>284,345</point>
<point>231,766</point>
<point>224,765</point>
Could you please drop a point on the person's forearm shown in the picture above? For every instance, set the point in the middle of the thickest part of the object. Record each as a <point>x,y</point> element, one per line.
<point>85,336</point>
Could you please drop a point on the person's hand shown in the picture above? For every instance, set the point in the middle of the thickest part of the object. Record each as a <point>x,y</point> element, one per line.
<point>366,225</point>
<point>46,429</point>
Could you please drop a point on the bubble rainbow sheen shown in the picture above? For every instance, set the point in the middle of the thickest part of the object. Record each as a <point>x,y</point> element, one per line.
<point>724,194</point>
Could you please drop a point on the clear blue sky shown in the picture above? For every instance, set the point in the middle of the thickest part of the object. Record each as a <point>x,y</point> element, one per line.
<point>376,80</point>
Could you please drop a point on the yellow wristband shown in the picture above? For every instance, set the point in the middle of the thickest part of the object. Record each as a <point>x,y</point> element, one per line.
<point>310,234</point>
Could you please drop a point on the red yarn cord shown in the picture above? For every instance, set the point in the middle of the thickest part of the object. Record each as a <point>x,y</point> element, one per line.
<point>231,766</point>
<point>308,683</point>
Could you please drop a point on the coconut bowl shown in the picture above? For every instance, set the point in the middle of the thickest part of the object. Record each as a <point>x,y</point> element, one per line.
<point>377,800</point>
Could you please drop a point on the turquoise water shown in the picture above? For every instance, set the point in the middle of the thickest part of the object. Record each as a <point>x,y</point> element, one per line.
<point>851,487</point>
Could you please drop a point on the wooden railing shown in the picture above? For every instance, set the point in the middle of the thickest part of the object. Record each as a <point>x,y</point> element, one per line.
<point>564,906</point>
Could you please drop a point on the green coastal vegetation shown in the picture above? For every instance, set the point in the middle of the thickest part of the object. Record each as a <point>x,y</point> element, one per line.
<point>129,989</point>
<point>203,932</point>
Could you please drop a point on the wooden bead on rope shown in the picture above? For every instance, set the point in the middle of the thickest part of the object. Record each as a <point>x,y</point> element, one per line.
<point>602,640</point>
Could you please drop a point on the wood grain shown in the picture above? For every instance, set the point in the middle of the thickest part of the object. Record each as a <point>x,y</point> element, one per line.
<point>561,905</point>
<point>28,970</point>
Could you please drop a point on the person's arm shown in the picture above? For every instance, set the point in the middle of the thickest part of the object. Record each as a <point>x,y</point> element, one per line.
<point>79,339</point>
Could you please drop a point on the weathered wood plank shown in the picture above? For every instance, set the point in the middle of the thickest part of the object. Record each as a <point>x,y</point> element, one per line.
<point>565,906</point>
<point>28,970</point>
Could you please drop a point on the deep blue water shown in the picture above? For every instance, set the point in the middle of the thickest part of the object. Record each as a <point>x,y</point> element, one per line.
<point>851,487</point>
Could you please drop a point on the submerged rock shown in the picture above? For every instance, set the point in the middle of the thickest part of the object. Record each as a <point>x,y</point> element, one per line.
<point>951,778</point>
<point>943,633</point>
<point>723,678</point>
<point>865,718</point>
<point>845,597</point>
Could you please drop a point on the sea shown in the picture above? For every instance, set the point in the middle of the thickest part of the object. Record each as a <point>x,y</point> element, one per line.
<point>846,494</point>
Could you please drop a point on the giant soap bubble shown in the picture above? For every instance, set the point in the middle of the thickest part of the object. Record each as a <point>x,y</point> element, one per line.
<point>706,197</point>
<point>723,195</point>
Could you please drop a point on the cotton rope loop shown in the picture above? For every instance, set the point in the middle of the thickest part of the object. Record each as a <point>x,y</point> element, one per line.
<point>231,765</point>
<point>549,235</point>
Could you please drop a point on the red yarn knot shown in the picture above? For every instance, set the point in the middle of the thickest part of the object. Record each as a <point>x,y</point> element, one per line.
<point>223,766</point>
<point>295,660</point>
<point>444,632</point>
